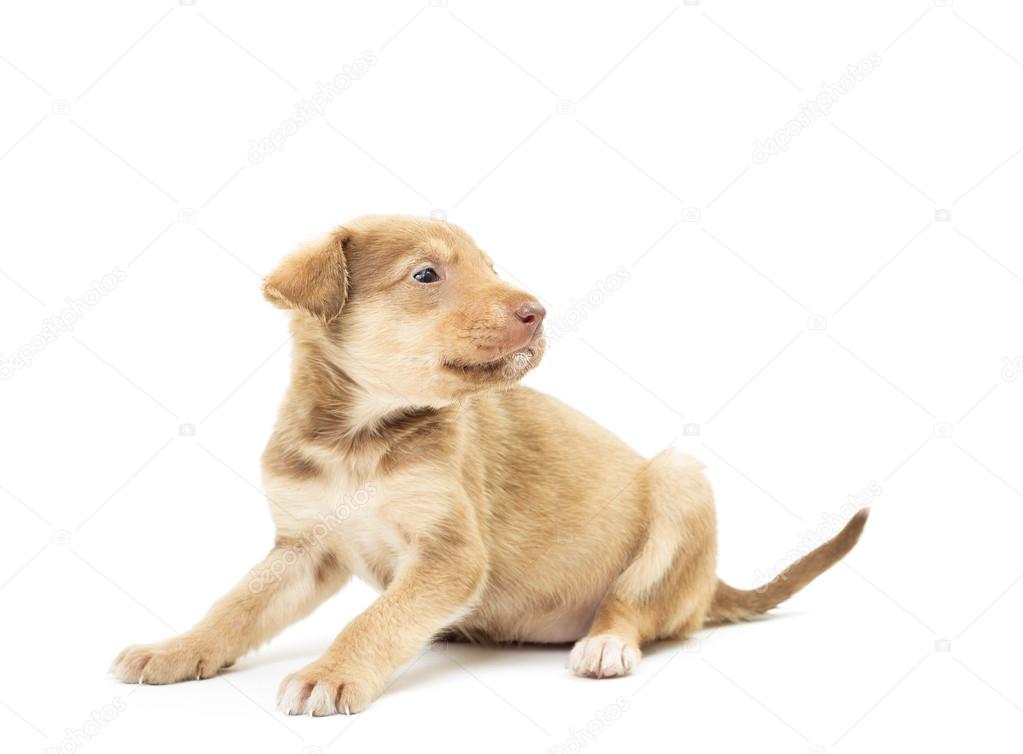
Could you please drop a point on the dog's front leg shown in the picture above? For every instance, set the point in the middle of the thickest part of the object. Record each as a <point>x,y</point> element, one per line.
<point>434,588</point>
<point>291,581</point>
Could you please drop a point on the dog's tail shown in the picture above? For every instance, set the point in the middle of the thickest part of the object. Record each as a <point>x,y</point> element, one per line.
<point>731,605</point>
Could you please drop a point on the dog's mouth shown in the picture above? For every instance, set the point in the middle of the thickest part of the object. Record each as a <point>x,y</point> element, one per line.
<point>510,366</point>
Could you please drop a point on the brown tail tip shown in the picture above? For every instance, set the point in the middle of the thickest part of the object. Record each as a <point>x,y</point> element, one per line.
<point>731,604</point>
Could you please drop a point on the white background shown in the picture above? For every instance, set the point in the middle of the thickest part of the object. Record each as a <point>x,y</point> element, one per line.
<point>822,331</point>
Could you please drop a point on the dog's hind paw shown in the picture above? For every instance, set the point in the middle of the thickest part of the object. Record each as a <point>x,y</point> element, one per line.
<point>603,656</point>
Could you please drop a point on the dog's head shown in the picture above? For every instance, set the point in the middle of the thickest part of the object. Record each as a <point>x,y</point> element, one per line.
<point>410,309</point>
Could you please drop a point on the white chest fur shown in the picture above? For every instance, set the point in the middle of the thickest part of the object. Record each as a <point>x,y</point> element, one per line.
<point>355,521</point>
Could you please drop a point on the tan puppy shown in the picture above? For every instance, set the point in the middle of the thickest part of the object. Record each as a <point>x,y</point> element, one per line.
<point>406,454</point>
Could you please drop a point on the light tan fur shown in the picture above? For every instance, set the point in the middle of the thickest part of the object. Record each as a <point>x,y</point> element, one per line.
<point>406,453</point>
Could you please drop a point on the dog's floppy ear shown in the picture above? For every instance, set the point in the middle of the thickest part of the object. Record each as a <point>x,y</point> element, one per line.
<point>314,278</point>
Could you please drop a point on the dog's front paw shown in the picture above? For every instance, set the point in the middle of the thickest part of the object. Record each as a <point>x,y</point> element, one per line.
<point>179,659</point>
<point>318,690</point>
<point>603,656</point>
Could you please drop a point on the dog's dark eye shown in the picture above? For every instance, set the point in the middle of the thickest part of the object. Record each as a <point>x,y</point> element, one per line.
<point>427,275</point>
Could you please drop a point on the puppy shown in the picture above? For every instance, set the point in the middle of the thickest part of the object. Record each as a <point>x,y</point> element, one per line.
<point>406,454</point>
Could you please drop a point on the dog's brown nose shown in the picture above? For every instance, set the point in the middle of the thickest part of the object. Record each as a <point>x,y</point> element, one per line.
<point>531,313</point>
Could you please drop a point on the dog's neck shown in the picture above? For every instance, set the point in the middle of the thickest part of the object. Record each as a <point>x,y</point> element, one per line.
<point>373,429</point>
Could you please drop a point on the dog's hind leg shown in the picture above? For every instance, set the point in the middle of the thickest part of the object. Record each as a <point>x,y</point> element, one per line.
<point>667,588</point>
